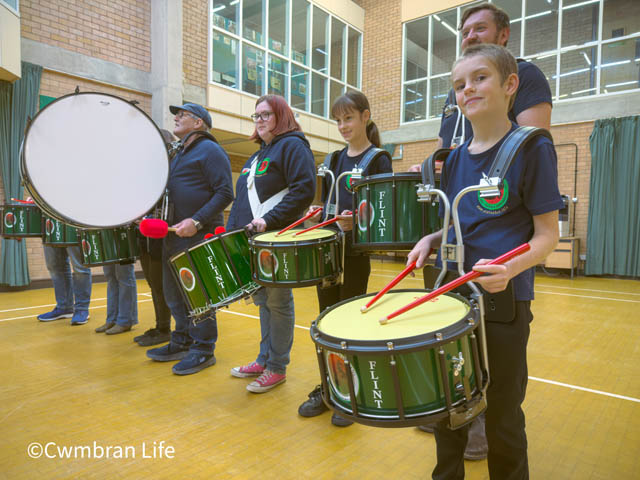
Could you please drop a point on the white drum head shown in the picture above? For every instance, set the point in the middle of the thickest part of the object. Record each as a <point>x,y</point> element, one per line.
<point>94,160</point>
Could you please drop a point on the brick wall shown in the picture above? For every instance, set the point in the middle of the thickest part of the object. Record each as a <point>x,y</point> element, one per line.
<point>113,30</point>
<point>382,61</point>
<point>195,18</point>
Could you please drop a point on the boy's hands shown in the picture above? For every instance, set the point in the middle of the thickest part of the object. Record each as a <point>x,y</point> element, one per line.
<point>497,276</point>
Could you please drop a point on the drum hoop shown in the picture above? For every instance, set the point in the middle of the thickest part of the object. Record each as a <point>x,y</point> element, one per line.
<point>253,242</point>
<point>386,177</point>
<point>449,333</point>
<point>31,187</point>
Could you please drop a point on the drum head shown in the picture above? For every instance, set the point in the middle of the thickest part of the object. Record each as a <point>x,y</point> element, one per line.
<point>290,236</point>
<point>347,322</point>
<point>94,160</point>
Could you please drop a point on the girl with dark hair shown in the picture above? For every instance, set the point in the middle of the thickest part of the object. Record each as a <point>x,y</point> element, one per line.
<point>353,115</point>
<point>275,187</point>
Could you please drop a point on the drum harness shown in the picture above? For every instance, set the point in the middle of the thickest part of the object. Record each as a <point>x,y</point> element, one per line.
<point>488,186</point>
<point>326,168</point>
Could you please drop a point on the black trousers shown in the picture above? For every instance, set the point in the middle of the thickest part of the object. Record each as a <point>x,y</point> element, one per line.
<point>356,277</point>
<point>505,423</point>
<point>152,269</point>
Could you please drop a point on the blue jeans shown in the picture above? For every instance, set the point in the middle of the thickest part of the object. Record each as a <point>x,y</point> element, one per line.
<point>122,294</point>
<point>277,321</point>
<point>73,292</point>
<point>203,335</point>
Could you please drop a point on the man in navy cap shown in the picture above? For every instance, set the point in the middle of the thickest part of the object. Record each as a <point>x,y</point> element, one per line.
<point>199,189</point>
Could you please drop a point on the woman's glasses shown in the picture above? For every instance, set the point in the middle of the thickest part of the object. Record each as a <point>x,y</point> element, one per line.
<point>264,116</point>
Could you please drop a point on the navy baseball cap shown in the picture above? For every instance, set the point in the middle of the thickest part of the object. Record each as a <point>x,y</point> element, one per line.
<point>198,110</point>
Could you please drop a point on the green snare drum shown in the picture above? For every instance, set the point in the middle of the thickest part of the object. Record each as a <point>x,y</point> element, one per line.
<point>214,273</point>
<point>58,234</point>
<point>423,366</point>
<point>20,221</point>
<point>311,258</point>
<point>109,246</point>
<point>388,216</point>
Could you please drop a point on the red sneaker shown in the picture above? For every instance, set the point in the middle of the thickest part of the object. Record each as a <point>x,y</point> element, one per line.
<point>252,370</point>
<point>266,381</point>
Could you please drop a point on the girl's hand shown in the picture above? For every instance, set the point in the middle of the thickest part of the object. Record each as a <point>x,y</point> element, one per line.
<point>497,276</point>
<point>346,220</point>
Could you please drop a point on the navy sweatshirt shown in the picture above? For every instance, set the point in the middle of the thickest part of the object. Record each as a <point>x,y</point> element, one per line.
<point>287,162</point>
<point>200,183</point>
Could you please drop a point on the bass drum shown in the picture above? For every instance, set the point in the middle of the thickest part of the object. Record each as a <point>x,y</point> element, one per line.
<point>93,160</point>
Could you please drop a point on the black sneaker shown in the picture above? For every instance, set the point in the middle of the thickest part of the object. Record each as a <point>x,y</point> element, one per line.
<point>169,352</point>
<point>193,363</point>
<point>339,421</point>
<point>314,406</point>
<point>153,337</point>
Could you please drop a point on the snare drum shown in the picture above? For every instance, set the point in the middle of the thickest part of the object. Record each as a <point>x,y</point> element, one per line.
<point>388,216</point>
<point>311,258</point>
<point>58,234</point>
<point>423,366</point>
<point>93,160</point>
<point>214,273</point>
<point>109,246</point>
<point>20,221</point>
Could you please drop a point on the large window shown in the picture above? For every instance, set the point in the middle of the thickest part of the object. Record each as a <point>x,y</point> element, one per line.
<point>13,4</point>
<point>291,48</point>
<point>583,47</point>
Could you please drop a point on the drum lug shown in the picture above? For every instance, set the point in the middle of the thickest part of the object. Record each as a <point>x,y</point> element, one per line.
<point>390,345</point>
<point>458,362</point>
<point>343,345</point>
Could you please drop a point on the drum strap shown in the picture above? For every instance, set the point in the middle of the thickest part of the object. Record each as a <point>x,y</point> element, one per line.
<point>511,147</point>
<point>258,208</point>
<point>428,166</point>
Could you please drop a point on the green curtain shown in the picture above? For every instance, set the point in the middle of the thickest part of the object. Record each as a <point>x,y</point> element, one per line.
<point>18,101</point>
<point>613,231</point>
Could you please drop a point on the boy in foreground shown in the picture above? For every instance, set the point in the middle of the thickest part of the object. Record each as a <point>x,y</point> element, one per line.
<point>485,80</point>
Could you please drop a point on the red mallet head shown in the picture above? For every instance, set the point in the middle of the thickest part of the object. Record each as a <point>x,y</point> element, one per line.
<point>207,236</point>
<point>219,230</point>
<point>154,228</point>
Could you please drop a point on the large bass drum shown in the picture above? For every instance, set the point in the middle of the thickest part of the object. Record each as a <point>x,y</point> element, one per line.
<point>94,160</point>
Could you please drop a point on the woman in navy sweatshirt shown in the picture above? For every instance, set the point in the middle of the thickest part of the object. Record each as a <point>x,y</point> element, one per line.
<point>274,189</point>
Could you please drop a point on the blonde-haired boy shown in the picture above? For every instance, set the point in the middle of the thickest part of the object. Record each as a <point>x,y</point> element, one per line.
<point>485,80</point>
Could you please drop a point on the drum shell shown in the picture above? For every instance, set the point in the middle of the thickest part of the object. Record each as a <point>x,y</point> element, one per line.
<point>396,219</point>
<point>58,234</point>
<point>215,272</point>
<point>20,221</point>
<point>109,246</point>
<point>299,263</point>
<point>417,382</point>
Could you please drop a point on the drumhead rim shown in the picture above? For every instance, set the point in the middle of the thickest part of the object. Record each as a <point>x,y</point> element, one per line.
<point>404,344</point>
<point>253,242</point>
<point>385,177</point>
<point>37,197</point>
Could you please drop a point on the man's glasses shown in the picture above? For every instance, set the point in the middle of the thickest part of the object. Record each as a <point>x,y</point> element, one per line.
<point>264,116</point>
<point>182,113</point>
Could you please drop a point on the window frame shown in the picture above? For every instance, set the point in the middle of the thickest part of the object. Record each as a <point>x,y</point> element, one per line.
<point>287,56</point>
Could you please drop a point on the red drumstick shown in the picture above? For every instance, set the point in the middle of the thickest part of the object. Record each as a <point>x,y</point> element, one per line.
<point>28,202</point>
<point>408,269</point>
<point>457,282</point>
<point>298,222</point>
<point>155,228</point>
<point>323,224</point>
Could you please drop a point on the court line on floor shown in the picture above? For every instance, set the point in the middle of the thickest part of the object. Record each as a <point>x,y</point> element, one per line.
<point>590,390</point>
<point>146,294</point>
<point>552,382</point>
<point>588,296</point>
<point>90,308</point>
<point>586,289</point>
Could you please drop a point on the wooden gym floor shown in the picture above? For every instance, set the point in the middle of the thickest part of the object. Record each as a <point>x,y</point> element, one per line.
<point>69,387</point>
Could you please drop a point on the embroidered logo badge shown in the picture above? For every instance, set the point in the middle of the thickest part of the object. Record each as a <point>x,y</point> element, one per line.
<point>264,165</point>
<point>245,171</point>
<point>495,203</point>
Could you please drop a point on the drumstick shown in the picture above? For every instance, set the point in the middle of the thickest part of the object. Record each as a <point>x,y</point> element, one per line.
<point>298,222</point>
<point>408,269</point>
<point>323,224</point>
<point>391,284</point>
<point>155,228</point>
<point>23,201</point>
<point>457,282</point>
